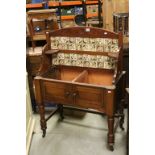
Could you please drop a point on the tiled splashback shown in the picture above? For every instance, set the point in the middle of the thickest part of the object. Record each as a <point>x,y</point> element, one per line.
<point>84,60</point>
<point>85,44</point>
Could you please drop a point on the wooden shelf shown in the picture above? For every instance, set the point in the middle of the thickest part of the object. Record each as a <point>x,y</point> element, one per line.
<point>67,17</point>
<point>33,6</point>
<point>55,4</point>
<point>92,15</point>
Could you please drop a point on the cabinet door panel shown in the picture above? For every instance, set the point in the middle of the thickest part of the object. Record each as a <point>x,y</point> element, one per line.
<point>57,92</point>
<point>89,97</point>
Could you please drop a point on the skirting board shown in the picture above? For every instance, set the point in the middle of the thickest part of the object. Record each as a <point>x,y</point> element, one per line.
<point>29,133</point>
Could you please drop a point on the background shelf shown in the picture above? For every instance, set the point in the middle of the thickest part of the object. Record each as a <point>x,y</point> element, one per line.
<point>55,4</point>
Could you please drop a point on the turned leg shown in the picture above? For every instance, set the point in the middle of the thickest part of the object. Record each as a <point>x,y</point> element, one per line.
<point>61,111</point>
<point>42,119</point>
<point>111,133</point>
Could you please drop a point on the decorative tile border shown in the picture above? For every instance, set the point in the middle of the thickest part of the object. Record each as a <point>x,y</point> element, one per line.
<point>84,60</point>
<point>85,44</point>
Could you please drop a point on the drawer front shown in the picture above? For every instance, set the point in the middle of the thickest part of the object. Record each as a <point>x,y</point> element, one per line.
<point>89,97</point>
<point>56,92</point>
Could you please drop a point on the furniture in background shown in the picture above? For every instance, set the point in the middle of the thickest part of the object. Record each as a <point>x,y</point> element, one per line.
<point>69,9</point>
<point>82,19</point>
<point>82,70</point>
<point>96,21</point>
<point>121,23</point>
<point>39,22</point>
<point>33,61</point>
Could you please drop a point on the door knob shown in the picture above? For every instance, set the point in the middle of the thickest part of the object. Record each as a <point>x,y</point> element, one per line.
<point>75,94</point>
<point>67,94</point>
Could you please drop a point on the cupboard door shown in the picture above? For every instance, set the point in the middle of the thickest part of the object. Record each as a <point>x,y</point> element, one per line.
<point>57,92</point>
<point>88,97</point>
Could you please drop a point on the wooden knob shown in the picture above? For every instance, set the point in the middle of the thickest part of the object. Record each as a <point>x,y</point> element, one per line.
<point>75,94</point>
<point>67,94</point>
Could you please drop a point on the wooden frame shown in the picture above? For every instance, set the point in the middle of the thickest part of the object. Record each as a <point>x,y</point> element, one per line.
<point>81,88</point>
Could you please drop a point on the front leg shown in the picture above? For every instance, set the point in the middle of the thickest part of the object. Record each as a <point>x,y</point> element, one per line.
<point>111,133</point>
<point>42,119</point>
<point>39,101</point>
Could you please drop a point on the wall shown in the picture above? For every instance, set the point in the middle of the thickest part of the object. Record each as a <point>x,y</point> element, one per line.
<point>30,122</point>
